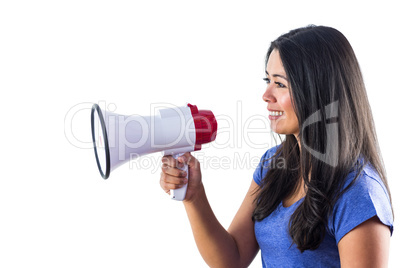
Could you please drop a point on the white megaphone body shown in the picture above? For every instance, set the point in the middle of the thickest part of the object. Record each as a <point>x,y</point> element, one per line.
<point>173,131</point>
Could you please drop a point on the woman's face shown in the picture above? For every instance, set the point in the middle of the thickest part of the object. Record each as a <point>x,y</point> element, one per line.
<point>281,114</point>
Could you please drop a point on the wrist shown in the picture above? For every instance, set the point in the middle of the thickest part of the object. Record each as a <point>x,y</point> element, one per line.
<point>196,196</point>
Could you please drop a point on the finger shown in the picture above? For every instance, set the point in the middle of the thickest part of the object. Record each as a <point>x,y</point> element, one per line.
<point>173,179</point>
<point>162,184</point>
<point>167,186</point>
<point>190,160</point>
<point>172,186</point>
<point>171,161</point>
<point>173,171</point>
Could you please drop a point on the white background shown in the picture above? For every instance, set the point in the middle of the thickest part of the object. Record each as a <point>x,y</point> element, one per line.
<point>58,57</point>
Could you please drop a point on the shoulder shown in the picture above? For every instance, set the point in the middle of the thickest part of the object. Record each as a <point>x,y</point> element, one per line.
<point>265,163</point>
<point>365,198</point>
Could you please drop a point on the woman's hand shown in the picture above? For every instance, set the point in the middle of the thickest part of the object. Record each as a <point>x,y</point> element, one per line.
<point>174,178</point>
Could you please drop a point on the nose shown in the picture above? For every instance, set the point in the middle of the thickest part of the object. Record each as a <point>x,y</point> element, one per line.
<point>269,95</point>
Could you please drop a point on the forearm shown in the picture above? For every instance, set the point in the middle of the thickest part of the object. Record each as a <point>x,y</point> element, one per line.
<point>216,245</point>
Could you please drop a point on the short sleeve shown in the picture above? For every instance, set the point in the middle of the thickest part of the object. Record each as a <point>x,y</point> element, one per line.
<point>366,198</point>
<point>263,165</point>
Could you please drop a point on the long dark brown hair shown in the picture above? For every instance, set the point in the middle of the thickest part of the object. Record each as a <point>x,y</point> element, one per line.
<point>336,131</point>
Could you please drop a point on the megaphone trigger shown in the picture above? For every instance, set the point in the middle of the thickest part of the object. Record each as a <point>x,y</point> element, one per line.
<point>180,194</point>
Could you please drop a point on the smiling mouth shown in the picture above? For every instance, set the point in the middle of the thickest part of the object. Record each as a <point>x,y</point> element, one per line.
<point>275,113</point>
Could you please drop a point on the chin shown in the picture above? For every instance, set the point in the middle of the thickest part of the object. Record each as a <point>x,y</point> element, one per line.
<point>284,130</point>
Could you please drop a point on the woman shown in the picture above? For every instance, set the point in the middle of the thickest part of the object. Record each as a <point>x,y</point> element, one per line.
<point>329,206</point>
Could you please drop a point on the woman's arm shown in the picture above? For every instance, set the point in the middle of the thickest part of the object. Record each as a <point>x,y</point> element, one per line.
<point>366,246</point>
<point>236,247</point>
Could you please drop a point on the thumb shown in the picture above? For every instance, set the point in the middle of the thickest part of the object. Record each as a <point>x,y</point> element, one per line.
<point>189,160</point>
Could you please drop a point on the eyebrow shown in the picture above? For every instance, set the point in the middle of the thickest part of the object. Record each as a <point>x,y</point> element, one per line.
<point>277,75</point>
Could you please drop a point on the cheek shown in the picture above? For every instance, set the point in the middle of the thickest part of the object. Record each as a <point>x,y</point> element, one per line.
<point>290,112</point>
<point>286,104</point>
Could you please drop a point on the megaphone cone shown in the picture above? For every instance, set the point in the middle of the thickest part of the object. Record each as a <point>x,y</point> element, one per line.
<point>119,138</point>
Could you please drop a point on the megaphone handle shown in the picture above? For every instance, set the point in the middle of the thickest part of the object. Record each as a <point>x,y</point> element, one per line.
<point>180,194</point>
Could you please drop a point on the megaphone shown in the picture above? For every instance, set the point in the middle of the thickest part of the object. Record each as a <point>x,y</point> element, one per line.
<point>173,131</point>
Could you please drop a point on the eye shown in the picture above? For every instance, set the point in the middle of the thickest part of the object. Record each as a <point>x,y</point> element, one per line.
<point>280,85</point>
<point>267,80</point>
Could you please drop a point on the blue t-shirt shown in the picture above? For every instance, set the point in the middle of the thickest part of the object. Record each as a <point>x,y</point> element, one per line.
<point>364,199</point>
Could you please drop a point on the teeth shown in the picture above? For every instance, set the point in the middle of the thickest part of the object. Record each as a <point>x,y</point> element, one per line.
<point>275,113</point>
